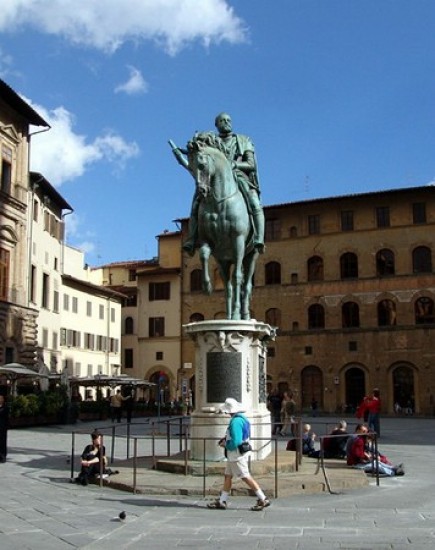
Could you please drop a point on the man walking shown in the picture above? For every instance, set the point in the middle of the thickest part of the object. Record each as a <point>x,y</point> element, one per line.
<point>235,442</point>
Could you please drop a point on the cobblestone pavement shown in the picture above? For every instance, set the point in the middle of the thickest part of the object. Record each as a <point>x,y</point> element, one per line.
<point>41,509</point>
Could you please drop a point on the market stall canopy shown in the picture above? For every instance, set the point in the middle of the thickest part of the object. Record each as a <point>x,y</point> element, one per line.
<point>16,371</point>
<point>105,380</point>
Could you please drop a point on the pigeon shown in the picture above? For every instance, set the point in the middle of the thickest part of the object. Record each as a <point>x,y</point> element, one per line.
<point>122,515</point>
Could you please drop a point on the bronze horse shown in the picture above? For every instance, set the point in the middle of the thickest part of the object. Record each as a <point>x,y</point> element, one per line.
<point>224,227</point>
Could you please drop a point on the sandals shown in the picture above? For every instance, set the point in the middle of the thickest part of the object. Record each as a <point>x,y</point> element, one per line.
<point>261,504</point>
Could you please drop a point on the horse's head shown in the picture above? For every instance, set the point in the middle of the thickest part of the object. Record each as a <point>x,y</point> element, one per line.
<point>201,164</point>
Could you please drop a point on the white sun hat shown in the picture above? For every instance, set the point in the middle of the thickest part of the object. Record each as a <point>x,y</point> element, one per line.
<point>232,406</point>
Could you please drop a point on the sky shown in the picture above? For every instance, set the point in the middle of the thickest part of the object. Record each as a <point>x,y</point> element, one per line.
<point>337,96</point>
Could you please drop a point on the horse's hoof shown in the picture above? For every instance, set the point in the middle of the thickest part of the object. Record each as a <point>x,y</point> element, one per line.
<point>208,289</point>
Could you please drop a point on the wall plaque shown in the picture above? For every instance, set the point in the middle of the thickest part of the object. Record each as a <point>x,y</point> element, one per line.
<point>224,376</point>
<point>261,380</point>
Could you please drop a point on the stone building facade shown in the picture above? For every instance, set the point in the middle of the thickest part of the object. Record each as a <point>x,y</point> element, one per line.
<point>349,283</point>
<point>18,319</point>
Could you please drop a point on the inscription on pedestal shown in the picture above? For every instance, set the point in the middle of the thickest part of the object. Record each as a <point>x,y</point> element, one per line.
<point>224,376</point>
<point>261,380</point>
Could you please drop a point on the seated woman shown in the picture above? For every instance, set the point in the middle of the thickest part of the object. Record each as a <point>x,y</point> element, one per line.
<point>91,456</point>
<point>360,454</point>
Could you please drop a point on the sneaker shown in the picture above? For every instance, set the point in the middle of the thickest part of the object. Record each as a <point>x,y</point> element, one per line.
<point>261,504</point>
<point>217,505</point>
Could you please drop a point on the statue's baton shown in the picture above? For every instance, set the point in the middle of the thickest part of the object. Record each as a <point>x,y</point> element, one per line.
<point>172,144</point>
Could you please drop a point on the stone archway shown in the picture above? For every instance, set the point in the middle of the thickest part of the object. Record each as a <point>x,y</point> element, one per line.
<point>355,387</point>
<point>403,378</point>
<point>311,386</point>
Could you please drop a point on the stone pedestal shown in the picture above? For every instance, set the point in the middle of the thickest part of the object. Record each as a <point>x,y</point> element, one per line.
<point>230,361</point>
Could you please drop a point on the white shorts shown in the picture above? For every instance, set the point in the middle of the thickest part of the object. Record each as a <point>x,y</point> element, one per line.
<point>238,468</point>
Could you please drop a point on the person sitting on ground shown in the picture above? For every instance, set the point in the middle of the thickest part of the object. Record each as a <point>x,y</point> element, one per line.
<point>91,457</point>
<point>334,445</point>
<point>308,438</point>
<point>360,454</point>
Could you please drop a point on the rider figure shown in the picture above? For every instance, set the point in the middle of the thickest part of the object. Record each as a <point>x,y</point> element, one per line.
<point>240,152</point>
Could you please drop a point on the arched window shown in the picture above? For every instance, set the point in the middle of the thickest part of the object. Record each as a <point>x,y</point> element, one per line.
<point>349,266</point>
<point>424,311</point>
<point>316,316</point>
<point>385,263</point>
<point>196,280</point>
<point>403,387</point>
<point>129,325</point>
<point>386,313</point>
<point>220,315</point>
<point>273,273</point>
<point>196,318</point>
<point>218,283</point>
<point>422,260</point>
<point>315,268</point>
<point>273,317</point>
<point>350,315</point>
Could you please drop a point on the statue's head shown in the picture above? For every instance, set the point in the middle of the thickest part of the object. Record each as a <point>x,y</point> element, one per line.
<point>223,123</point>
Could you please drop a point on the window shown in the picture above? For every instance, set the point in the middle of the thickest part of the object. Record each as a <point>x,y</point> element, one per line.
<point>273,317</point>
<point>353,346</point>
<point>294,278</point>
<point>45,290</point>
<point>349,266</point>
<point>424,311</point>
<point>196,280</point>
<point>63,336</point>
<point>159,355</point>
<point>315,268</point>
<point>156,327</point>
<point>383,216</point>
<point>89,309</point>
<point>130,301</point>
<point>45,338</point>
<point>422,260</point>
<point>385,263</point>
<point>54,340</point>
<point>313,224</point>
<point>419,212</point>
<point>75,304</point>
<point>308,350</point>
<point>386,313</point>
<point>101,311</point>
<point>271,352</point>
<point>159,291</point>
<point>4,273</point>
<point>35,210</point>
<point>112,314</point>
<point>33,284</point>
<point>347,220</point>
<point>196,318</point>
<point>272,230</point>
<point>66,302</point>
<point>89,341</point>
<point>6,174</point>
<point>113,345</point>
<point>350,315</point>
<point>56,301</point>
<point>316,316</point>
<point>131,274</point>
<point>129,325</point>
<point>128,358</point>
<point>273,273</point>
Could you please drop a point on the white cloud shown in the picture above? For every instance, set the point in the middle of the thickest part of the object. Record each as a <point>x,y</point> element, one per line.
<point>62,155</point>
<point>76,237</point>
<point>107,24</point>
<point>134,85</point>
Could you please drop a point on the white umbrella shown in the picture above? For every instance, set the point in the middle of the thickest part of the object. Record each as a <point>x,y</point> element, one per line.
<point>15,371</point>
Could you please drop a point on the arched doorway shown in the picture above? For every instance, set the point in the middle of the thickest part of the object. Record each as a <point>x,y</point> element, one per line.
<point>403,387</point>
<point>312,386</point>
<point>161,388</point>
<point>355,381</point>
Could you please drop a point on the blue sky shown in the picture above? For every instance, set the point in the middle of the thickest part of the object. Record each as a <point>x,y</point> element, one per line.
<point>337,95</point>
